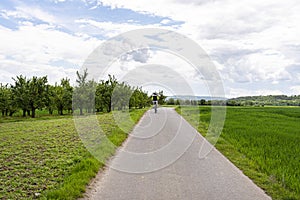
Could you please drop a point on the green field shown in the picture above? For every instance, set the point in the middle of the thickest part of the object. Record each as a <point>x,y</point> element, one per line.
<point>45,157</point>
<point>263,142</point>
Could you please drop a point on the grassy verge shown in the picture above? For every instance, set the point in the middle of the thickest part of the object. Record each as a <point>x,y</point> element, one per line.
<point>29,119</point>
<point>262,142</point>
<point>47,159</point>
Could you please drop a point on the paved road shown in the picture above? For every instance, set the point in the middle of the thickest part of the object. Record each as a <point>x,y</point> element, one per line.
<point>160,160</point>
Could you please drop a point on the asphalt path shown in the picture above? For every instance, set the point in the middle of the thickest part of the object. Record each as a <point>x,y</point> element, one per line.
<point>160,160</point>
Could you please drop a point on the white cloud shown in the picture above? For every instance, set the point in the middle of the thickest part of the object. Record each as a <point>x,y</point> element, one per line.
<point>162,66</point>
<point>43,43</point>
<point>25,12</point>
<point>165,21</point>
<point>237,92</point>
<point>31,49</point>
<point>59,1</point>
<point>295,89</point>
<point>110,29</point>
<point>10,69</point>
<point>249,41</point>
<point>260,32</point>
<point>258,67</point>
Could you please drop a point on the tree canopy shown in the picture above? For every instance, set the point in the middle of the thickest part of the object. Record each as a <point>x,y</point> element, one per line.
<point>29,94</point>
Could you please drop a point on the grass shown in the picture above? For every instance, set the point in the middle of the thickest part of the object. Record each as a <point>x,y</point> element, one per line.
<point>45,157</point>
<point>262,142</point>
<point>40,115</point>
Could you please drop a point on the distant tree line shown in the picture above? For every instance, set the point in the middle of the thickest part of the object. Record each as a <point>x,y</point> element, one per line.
<point>201,102</point>
<point>29,94</point>
<point>270,100</point>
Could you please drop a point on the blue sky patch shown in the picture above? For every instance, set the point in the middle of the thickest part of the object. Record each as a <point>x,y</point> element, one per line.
<point>67,13</point>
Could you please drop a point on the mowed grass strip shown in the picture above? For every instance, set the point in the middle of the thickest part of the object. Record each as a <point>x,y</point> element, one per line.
<point>263,142</point>
<point>46,158</point>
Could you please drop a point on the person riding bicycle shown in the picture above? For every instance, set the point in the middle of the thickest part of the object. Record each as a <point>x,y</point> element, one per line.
<point>155,101</point>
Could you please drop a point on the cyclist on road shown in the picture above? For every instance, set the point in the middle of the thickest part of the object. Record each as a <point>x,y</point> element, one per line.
<point>155,101</point>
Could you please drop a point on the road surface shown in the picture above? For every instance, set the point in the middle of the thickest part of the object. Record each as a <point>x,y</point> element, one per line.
<point>160,160</point>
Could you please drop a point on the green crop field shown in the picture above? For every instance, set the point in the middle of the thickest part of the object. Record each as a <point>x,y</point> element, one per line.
<point>264,142</point>
<point>45,158</point>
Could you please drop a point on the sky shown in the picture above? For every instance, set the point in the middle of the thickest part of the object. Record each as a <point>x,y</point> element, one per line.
<point>254,45</point>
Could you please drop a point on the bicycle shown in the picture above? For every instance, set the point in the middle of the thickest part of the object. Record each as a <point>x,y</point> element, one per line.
<point>155,106</point>
<point>155,101</point>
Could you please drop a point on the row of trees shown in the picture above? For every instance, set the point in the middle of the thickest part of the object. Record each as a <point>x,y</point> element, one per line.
<point>106,96</point>
<point>202,102</point>
<point>242,101</point>
<point>35,93</point>
<point>270,100</point>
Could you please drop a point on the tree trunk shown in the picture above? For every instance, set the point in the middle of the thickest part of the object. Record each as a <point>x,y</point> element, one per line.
<point>61,111</point>
<point>24,112</point>
<point>33,112</point>
<point>11,113</point>
<point>28,112</point>
<point>81,113</point>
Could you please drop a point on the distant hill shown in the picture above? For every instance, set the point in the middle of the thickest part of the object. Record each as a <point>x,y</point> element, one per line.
<point>197,98</point>
<point>275,100</point>
<point>269,100</point>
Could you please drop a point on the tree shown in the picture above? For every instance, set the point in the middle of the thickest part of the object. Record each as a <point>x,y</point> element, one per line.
<point>3,99</point>
<point>7,105</point>
<point>84,93</point>
<point>231,103</point>
<point>63,96</point>
<point>90,96</point>
<point>99,98</point>
<point>133,101</point>
<point>20,91</point>
<point>161,98</point>
<point>37,93</point>
<point>171,101</point>
<point>121,96</point>
<point>79,96</point>
<point>143,98</point>
<point>187,102</point>
<point>139,99</point>
<point>58,98</point>
<point>202,102</point>
<point>110,86</point>
<point>50,98</point>
<point>31,94</point>
<point>106,91</point>
<point>67,93</point>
